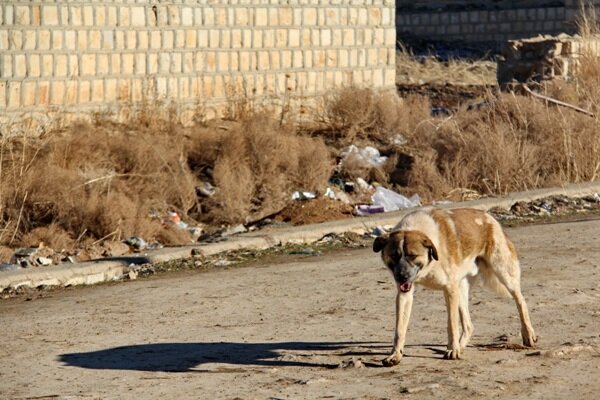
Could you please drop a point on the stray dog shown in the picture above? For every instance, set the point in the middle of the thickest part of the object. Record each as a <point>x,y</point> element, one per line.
<point>448,250</point>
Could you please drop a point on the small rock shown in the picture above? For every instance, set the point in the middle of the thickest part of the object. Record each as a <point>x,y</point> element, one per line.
<point>352,363</point>
<point>417,389</point>
<point>132,275</point>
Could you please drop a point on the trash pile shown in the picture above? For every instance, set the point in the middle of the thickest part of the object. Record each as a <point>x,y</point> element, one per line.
<point>553,206</point>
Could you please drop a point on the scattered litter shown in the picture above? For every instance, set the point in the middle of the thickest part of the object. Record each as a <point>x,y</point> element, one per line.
<point>303,196</point>
<point>222,263</point>
<point>135,243</point>
<point>235,230</point>
<point>364,185</point>
<point>399,140</point>
<point>378,231</point>
<point>309,251</point>
<point>337,195</point>
<point>33,256</point>
<point>365,209</point>
<point>564,350</point>
<point>173,218</point>
<point>392,201</point>
<point>9,267</point>
<point>132,275</point>
<point>43,261</point>
<point>352,363</point>
<point>416,389</point>
<point>367,156</point>
<point>205,189</point>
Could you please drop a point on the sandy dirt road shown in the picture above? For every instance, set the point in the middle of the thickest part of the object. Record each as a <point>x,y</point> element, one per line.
<point>296,329</point>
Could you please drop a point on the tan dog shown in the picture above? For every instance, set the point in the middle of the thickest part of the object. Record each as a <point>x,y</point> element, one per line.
<point>448,250</point>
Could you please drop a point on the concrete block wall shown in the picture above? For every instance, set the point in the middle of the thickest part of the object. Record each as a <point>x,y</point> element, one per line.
<point>74,57</point>
<point>487,21</point>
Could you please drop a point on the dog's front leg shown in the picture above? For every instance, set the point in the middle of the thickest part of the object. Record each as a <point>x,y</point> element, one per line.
<point>403,308</point>
<point>452,297</point>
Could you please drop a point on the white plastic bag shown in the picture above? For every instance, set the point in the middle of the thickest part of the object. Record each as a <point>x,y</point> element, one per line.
<point>392,201</point>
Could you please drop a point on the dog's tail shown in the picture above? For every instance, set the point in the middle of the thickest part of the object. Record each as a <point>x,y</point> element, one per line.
<point>490,279</point>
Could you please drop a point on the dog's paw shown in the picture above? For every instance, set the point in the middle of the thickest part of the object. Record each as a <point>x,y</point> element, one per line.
<point>530,340</point>
<point>393,359</point>
<point>452,355</point>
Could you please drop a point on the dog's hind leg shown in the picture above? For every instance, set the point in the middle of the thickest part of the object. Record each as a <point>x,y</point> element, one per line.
<point>465,317</point>
<point>507,269</point>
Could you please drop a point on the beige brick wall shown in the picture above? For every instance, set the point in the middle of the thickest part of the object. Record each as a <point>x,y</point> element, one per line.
<point>486,21</point>
<point>75,57</point>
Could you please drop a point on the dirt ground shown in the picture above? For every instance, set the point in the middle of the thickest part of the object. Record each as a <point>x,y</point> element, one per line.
<point>299,329</point>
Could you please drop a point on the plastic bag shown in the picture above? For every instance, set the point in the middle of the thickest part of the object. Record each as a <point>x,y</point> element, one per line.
<point>392,201</point>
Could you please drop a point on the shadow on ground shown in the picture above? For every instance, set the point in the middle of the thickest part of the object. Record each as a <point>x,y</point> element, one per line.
<point>186,357</point>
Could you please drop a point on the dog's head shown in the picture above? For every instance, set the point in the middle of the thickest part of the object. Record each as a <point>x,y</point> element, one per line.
<point>405,253</point>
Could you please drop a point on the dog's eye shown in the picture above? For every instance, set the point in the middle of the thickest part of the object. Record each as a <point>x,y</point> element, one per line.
<point>419,264</point>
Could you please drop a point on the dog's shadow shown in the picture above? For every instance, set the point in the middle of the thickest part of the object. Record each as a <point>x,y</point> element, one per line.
<point>187,357</point>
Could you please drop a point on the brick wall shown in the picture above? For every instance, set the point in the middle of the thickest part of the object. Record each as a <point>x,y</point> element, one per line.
<point>68,58</point>
<point>486,21</point>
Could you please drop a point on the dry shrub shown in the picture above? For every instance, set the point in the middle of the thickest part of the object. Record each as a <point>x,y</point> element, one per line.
<point>258,164</point>
<point>94,181</point>
<point>518,143</point>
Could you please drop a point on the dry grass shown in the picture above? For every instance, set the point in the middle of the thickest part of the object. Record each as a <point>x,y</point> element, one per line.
<point>103,181</point>
<point>420,70</point>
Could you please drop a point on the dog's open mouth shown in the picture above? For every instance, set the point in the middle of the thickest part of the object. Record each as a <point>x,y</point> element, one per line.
<point>405,287</point>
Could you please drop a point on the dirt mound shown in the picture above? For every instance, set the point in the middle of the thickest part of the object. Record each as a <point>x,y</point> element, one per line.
<point>315,211</point>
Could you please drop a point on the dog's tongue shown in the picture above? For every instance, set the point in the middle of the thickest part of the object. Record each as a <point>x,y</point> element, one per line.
<point>405,287</point>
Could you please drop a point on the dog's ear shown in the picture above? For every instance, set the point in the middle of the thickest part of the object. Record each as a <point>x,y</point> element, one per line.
<point>380,242</point>
<point>432,251</point>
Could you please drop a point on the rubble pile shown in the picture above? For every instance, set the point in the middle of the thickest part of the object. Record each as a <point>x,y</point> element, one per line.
<point>543,58</point>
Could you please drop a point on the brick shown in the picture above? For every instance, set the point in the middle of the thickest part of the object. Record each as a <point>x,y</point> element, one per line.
<point>88,64</point>
<point>57,93</point>
<point>57,40</point>
<point>236,39</point>
<point>43,40</point>
<point>47,65</point>
<point>275,60</point>
<point>375,16</point>
<point>100,16</point>
<point>127,62</point>
<point>34,66</point>
<point>294,38</point>
<point>225,39</point>
<point>168,39</point>
<point>3,39</point>
<point>142,40</point>
<point>223,61</point>
<point>131,40</point>
<point>112,18</point>
<point>332,58</point>
<point>14,94</point>
<point>155,40</point>
<point>172,87</point>
<point>179,39</point>
<point>188,62</point>
<point>15,39</point>
<point>29,40</point>
<point>207,86</point>
<point>190,38</point>
<point>115,63</point>
<point>152,63</point>
<point>43,92</point>
<point>211,61</point>
<point>76,15</point>
<point>187,16</point>
<point>286,59</point>
<point>281,38</point>
<point>137,90</point>
<point>261,17</point>
<point>85,90</point>
<point>332,17</point>
<point>344,59</point>
<point>102,67</point>
<point>184,87</point>
<point>253,39</point>
<point>73,68</point>
<point>22,15</point>
<point>263,60</point>
<point>60,65</point>
<point>88,16</point>
<point>124,17</point>
<point>310,16</point>
<point>94,40</point>
<point>221,17</point>
<point>138,16</point>
<point>111,93</point>
<point>286,16</point>
<point>273,16</point>
<point>244,61</point>
<point>325,39</point>
<point>71,92</point>
<point>175,63</point>
<point>29,93</point>
<point>123,90</point>
<point>50,15</point>
<point>214,36</point>
<point>308,59</point>
<point>2,89</point>
<point>81,40</point>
